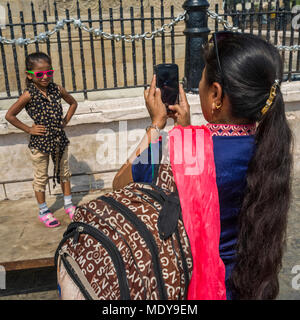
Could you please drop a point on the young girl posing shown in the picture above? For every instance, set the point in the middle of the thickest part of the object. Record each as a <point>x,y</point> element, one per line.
<point>42,101</point>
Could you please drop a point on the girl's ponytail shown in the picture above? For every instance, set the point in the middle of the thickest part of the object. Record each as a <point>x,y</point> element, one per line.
<point>28,82</point>
<point>263,216</point>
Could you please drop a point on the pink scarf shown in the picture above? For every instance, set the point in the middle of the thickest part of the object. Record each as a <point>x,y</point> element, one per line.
<point>192,161</point>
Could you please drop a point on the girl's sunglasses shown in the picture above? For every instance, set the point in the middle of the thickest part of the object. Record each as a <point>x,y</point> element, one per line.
<point>40,74</point>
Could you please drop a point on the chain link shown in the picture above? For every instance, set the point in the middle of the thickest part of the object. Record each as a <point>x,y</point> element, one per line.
<point>288,48</point>
<point>225,23</point>
<point>148,35</point>
<point>42,37</point>
<point>230,27</point>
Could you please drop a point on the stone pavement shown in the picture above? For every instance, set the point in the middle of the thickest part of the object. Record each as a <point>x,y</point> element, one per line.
<point>292,254</point>
<point>23,237</point>
<point>28,247</point>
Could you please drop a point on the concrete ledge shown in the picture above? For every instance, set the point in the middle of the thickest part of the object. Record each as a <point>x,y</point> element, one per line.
<point>98,128</point>
<point>112,94</point>
<point>28,264</point>
<point>92,96</point>
<point>105,111</point>
<point>104,108</point>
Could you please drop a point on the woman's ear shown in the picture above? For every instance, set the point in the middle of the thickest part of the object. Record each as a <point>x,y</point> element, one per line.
<point>216,101</point>
<point>216,91</point>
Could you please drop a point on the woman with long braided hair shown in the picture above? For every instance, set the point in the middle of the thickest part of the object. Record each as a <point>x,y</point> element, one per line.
<point>242,102</point>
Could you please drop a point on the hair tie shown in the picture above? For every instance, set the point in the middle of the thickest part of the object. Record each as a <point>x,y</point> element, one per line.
<point>271,96</point>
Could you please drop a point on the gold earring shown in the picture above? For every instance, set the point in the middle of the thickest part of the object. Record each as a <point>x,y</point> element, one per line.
<point>218,106</point>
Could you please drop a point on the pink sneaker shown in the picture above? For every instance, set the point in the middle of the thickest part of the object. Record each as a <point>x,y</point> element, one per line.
<point>70,211</point>
<point>49,220</point>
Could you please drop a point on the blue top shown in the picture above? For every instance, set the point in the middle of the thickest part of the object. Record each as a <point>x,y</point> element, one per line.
<point>143,166</point>
<point>232,155</point>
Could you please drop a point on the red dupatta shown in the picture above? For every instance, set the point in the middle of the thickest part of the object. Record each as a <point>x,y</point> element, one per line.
<point>192,161</point>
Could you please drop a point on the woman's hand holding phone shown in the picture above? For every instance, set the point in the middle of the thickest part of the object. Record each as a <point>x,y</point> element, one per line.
<point>158,111</point>
<point>181,111</point>
<point>156,108</point>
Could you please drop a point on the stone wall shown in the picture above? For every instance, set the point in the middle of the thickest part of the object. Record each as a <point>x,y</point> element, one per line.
<point>99,129</point>
<point>71,5</point>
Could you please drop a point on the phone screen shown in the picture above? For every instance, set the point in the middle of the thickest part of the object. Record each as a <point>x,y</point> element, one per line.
<point>167,81</point>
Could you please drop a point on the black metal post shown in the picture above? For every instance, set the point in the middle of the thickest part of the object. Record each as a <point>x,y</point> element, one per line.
<point>196,33</point>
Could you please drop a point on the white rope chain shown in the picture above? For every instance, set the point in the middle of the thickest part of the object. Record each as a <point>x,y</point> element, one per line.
<point>149,35</point>
<point>230,27</point>
<point>42,37</point>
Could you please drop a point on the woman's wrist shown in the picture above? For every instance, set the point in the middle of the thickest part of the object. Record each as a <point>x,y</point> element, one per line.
<point>153,126</point>
<point>158,124</point>
<point>153,133</point>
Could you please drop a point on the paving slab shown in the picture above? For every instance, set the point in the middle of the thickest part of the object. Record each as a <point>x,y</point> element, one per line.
<point>26,242</point>
<point>45,295</point>
<point>289,276</point>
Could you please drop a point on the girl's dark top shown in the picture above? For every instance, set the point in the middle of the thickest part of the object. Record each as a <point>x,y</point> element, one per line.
<point>48,111</point>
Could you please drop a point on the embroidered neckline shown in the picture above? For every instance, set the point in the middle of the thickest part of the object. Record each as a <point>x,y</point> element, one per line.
<point>231,129</point>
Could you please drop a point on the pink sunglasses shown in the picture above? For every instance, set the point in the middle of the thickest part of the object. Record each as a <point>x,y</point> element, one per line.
<point>40,74</point>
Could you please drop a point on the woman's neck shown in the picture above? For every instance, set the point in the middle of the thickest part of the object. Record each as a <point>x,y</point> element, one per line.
<point>231,121</point>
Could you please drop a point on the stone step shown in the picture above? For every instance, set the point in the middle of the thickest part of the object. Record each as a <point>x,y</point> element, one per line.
<point>29,276</point>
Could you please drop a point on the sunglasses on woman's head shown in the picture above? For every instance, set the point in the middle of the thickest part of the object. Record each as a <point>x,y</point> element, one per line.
<point>40,74</point>
<point>218,36</point>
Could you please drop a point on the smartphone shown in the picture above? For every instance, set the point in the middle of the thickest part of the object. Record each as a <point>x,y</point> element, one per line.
<point>168,81</point>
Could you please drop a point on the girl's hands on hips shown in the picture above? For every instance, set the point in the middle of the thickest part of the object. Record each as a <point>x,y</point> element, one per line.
<point>156,108</point>
<point>37,130</point>
<point>181,111</point>
<point>64,123</point>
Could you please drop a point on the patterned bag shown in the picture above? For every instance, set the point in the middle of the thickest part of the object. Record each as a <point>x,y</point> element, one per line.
<point>127,244</point>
